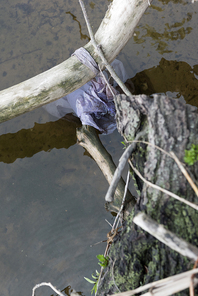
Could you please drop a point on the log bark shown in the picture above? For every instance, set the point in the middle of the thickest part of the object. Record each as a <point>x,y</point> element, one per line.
<point>115,30</point>
<point>137,257</point>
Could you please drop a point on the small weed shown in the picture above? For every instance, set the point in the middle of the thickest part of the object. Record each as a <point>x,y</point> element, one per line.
<point>103,262</point>
<point>123,143</point>
<point>95,282</point>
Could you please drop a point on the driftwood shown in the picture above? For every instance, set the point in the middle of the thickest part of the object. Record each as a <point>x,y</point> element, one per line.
<point>165,236</point>
<point>136,257</point>
<point>167,286</point>
<point>88,139</point>
<point>114,32</point>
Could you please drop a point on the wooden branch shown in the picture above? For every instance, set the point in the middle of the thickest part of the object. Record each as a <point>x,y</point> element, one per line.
<point>88,139</point>
<point>192,184</point>
<point>118,172</point>
<point>122,205</point>
<point>167,286</point>
<point>100,53</point>
<point>49,285</point>
<point>114,32</point>
<point>166,236</point>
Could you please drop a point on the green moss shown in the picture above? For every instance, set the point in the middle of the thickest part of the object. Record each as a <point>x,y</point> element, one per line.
<point>131,279</point>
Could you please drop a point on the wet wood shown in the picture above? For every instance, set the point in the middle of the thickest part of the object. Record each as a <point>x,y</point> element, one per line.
<point>115,30</point>
<point>88,138</point>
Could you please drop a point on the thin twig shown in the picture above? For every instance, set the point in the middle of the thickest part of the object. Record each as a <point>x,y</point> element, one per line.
<point>185,172</point>
<point>99,279</point>
<point>191,287</point>
<point>100,53</point>
<point>49,285</point>
<point>123,201</point>
<point>150,144</point>
<point>113,275</point>
<point>108,222</point>
<point>118,172</point>
<point>107,82</point>
<point>163,190</point>
<point>97,243</point>
<point>113,227</point>
<point>172,155</point>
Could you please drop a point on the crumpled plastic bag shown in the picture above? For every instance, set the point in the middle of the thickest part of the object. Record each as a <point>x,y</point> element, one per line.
<point>92,103</point>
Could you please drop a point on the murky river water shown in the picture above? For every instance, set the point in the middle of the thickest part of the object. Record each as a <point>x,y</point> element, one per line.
<point>52,193</point>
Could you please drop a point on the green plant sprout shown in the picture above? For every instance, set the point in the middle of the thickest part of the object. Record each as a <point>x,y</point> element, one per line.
<point>191,156</point>
<point>103,262</point>
<point>95,282</point>
<point>123,143</point>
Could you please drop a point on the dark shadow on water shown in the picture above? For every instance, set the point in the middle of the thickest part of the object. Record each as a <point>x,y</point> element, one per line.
<point>169,76</point>
<point>178,78</point>
<point>42,137</point>
<point>82,36</point>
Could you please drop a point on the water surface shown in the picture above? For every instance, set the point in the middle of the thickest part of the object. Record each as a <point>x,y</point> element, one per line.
<point>52,193</point>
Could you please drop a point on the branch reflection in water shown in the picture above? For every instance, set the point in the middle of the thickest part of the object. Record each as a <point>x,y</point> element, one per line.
<point>42,137</point>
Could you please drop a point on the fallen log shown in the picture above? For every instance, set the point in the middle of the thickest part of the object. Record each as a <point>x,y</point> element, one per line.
<point>137,257</point>
<point>114,32</point>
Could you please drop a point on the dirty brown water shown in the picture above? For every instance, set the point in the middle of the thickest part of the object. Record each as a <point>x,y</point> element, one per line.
<point>52,193</point>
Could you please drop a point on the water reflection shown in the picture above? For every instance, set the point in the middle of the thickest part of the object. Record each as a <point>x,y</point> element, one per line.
<point>169,76</point>
<point>42,137</point>
<point>161,40</point>
<point>62,133</point>
<point>50,212</point>
<point>82,36</point>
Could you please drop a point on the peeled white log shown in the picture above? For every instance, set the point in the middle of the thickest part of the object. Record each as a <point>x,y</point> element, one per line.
<point>165,236</point>
<point>167,286</point>
<point>115,30</point>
